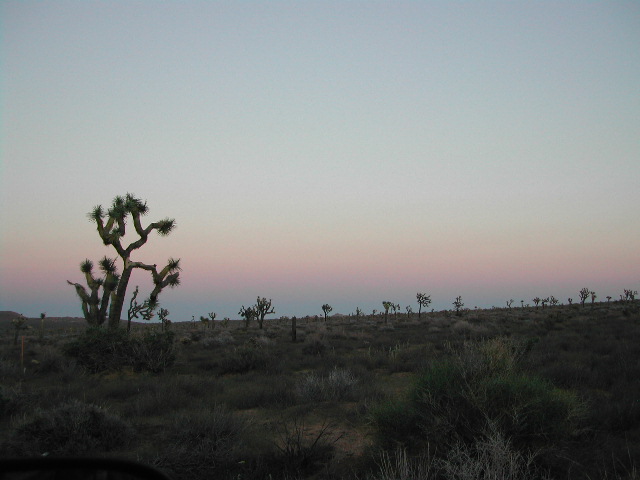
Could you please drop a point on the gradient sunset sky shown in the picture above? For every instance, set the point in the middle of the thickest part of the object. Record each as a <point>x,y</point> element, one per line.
<point>324,152</point>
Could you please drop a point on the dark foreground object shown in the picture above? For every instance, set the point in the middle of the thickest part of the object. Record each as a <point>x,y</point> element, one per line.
<point>43,468</point>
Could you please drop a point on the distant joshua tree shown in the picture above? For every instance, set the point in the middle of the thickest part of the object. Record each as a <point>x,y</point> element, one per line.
<point>536,301</point>
<point>458,305</point>
<point>584,294</point>
<point>43,315</point>
<point>261,308</point>
<point>509,303</point>
<point>409,311</point>
<point>18,324</point>
<point>570,300</point>
<point>326,308</point>
<point>424,300</point>
<point>395,309</point>
<point>629,295</point>
<point>358,313</point>
<point>553,300</point>
<point>544,302</point>
<point>593,298</point>
<point>248,314</point>
<point>111,226</point>
<point>387,305</point>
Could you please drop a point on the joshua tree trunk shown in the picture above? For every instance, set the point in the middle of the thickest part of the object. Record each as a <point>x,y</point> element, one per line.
<point>118,301</point>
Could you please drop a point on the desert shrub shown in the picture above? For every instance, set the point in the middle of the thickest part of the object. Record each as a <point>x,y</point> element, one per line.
<point>400,466</point>
<point>247,357</point>
<point>223,338</point>
<point>100,350</point>
<point>202,442</point>
<point>9,369</point>
<point>490,457</point>
<point>72,428</point>
<point>154,395</point>
<point>10,400</point>
<point>153,351</point>
<point>530,409</point>
<point>301,450</point>
<point>395,422</point>
<point>261,392</point>
<point>407,359</point>
<point>50,360</point>
<point>454,400</point>
<point>338,385</point>
<point>315,344</point>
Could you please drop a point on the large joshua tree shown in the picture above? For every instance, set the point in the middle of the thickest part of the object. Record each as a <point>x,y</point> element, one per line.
<point>111,226</point>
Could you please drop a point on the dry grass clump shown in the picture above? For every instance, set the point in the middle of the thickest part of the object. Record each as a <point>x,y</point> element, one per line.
<point>71,428</point>
<point>340,384</point>
<point>400,466</point>
<point>202,443</point>
<point>315,344</point>
<point>302,449</point>
<point>490,457</point>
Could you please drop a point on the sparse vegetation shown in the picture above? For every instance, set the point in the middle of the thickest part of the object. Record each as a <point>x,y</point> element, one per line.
<point>515,393</point>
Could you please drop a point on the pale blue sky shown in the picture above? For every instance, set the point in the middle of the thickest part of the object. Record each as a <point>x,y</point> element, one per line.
<point>314,152</point>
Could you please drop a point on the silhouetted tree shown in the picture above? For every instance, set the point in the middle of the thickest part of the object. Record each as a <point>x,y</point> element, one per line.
<point>261,308</point>
<point>423,301</point>
<point>584,294</point>
<point>248,314</point>
<point>387,305</point>
<point>326,308</point>
<point>111,226</point>
<point>458,305</point>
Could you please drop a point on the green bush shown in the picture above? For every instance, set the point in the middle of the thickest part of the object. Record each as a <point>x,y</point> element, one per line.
<point>529,409</point>
<point>455,400</point>
<point>101,350</point>
<point>71,428</point>
<point>445,404</point>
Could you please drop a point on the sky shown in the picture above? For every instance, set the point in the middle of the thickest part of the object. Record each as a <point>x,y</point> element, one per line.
<point>312,152</point>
